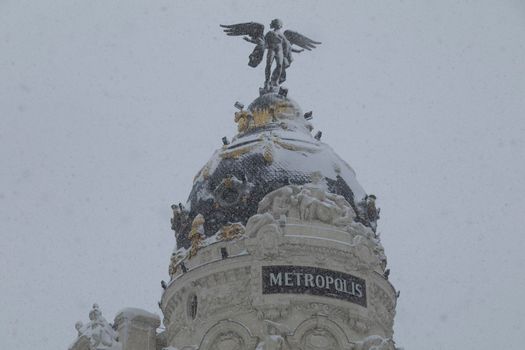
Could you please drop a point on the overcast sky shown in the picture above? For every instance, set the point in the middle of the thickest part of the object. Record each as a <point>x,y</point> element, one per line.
<point>109,108</point>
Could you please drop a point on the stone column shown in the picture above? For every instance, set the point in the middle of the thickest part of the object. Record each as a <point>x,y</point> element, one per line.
<point>137,329</point>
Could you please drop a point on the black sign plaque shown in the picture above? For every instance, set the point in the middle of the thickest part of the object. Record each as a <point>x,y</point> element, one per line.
<point>314,281</point>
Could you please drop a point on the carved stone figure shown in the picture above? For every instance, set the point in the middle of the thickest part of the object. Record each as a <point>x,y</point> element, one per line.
<point>308,202</point>
<point>78,326</point>
<point>275,338</point>
<point>279,46</point>
<point>279,201</point>
<point>259,221</point>
<point>266,229</point>
<point>99,332</point>
<point>175,260</point>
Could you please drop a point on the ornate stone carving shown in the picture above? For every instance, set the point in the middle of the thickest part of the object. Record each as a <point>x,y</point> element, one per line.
<point>228,335</point>
<point>278,202</point>
<point>382,297</point>
<point>230,192</point>
<point>344,314</point>
<point>222,292</point>
<point>257,222</point>
<point>230,232</point>
<point>363,254</point>
<point>175,260</point>
<point>310,202</point>
<point>196,235</point>
<point>268,236</point>
<point>221,303</point>
<point>275,337</point>
<point>98,331</point>
<point>382,308</point>
<point>274,312</point>
<point>319,333</point>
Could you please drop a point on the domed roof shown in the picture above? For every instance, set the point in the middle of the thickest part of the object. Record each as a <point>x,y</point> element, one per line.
<point>274,148</point>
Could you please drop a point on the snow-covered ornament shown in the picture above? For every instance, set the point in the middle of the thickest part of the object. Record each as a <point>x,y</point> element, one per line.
<point>230,232</point>
<point>196,235</point>
<point>98,331</point>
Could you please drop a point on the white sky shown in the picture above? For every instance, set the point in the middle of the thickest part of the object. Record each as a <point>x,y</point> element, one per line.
<point>108,109</point>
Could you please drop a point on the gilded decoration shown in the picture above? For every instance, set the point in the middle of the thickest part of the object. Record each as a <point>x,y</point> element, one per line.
<point>236,153</point>
<point>232,231</point>
<point>262,116</point>
<point>259,117</point>
<point>174,264</point>
<point>243,120</point>
<point>196,234</point>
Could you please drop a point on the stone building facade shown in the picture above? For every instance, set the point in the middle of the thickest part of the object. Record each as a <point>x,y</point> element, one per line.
<point>276,248</point>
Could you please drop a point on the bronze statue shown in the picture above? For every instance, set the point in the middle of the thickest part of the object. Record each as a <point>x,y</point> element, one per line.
<point>278,44</point>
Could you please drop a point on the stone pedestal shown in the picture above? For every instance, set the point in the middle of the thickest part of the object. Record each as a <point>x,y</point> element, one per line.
<point>137,329</point>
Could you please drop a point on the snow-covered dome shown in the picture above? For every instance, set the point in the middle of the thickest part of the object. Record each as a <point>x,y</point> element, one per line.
<point>274,148</point>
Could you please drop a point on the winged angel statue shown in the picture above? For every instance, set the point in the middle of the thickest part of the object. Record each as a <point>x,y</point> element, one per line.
<point>278,44</point>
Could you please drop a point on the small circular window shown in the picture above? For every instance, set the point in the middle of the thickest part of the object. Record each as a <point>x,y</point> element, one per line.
<point>229,192</point>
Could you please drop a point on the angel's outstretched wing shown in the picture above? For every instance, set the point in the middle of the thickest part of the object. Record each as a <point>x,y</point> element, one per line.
<point>300,40</point>
<point>252,29</point>
<point>253,33</point>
